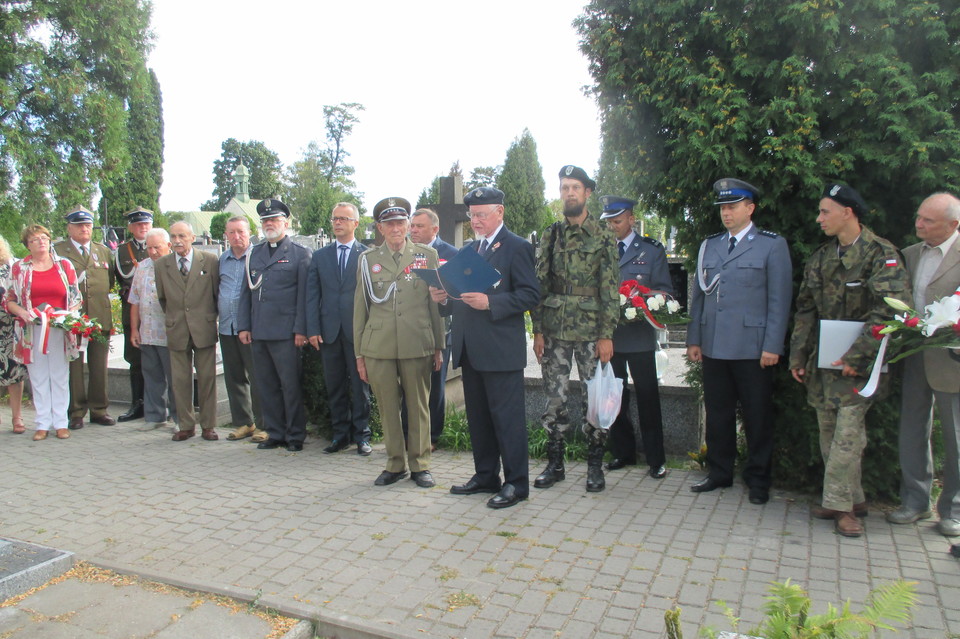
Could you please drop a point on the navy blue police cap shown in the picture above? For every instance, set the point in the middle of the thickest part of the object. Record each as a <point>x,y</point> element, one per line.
<point>846,196</point>
<point>614,205</point>
<point>731,190</point>
<point>391,208</point>
<point>80,215</point>
<point>139,214</point>
<point>483,195</point>
<point>576,173</point>
<point>272,207</point>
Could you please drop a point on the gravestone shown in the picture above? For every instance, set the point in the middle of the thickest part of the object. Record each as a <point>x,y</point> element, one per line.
<point>451,210</point>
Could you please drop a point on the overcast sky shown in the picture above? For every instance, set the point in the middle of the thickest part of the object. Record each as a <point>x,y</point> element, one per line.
<point>441,80</point>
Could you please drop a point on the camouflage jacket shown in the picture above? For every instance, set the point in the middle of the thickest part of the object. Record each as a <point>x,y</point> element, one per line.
<point>847,288</point>
<point>579,282</point>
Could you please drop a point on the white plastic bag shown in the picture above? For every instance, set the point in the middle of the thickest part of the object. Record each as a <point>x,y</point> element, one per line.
<point>662,361</point>
<point>603,396</point>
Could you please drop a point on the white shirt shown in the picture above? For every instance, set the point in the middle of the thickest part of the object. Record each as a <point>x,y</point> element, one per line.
<point>927,265</point>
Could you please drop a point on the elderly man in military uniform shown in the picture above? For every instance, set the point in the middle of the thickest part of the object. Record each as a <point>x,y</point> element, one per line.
<point>739,311</point>
<point>399,337</point>
<point>575,319</point>
<point>129,254</point>
<point>272,317</point>
<point>635,343</point>
<point>931,376</point>
<point>846,278</point>
<point>94,266</point>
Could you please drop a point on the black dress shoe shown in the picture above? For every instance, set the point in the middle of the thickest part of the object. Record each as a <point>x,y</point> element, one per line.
<point>103,420</point>
<point>473,487</point>
<point>294,447</point>
<point>336,446</point>
<point>76,424</point>
<point>505,498</point>
<point>759,496</point>
<point>270,443</point>
<point>386,478</point>
<point>423,478</point>
<point>708,484</point>
<point>135,412</point>
<point>619,462</point>
<point>364,448</point>
<point>657,473</point>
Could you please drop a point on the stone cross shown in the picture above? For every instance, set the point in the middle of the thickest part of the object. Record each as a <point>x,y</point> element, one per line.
<point>451,210</point>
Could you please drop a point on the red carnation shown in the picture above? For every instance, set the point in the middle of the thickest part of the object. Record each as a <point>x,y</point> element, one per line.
<point>911,322</point>
<point>876,331</point>
<point>643,289</point>
<point>625,290</point>
<point>638,302</point>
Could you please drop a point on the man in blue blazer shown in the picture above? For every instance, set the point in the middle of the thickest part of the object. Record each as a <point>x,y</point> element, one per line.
<point>424,227</point>
<point>489,345</point>
<point>272,317</point>
<point>635,343</point>
<point>331,285</point>
<point>739,310</point>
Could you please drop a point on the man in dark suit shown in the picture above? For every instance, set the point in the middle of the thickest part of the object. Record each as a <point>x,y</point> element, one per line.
<point>739,311</point>
<point>489,345</point>
<point>331,286</point>
<point>129,254</point>
<point>94,266</point>
<point>188,282</point>
<point>272,317</point>
<point>635,343</point>
<point>424,227</point>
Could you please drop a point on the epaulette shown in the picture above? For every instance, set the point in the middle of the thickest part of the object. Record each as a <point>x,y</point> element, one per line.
<point>768,233</point>
<point>651,240</point>
<point>710,237</point>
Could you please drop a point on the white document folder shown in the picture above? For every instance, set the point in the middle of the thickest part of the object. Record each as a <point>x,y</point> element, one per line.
<point>836,338</point>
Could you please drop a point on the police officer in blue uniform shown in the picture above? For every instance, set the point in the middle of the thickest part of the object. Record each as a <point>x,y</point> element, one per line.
<point>739,311</point>
<point>635,343</point>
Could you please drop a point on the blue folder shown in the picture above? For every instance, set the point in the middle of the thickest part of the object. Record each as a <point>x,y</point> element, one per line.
<point>465,272</point>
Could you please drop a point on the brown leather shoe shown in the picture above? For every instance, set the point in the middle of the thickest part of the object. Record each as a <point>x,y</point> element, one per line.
<point>242,432</point>
<point>63,433</point>
<point>848,525</point>
<point>819,512</point>
<point>76,423</point>
<point>39,435</point>
<point>181,435</point>
<point>210,435</point>
<point>103,420</point>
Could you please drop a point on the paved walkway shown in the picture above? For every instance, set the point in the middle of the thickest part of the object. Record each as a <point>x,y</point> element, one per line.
<point>309,534</point>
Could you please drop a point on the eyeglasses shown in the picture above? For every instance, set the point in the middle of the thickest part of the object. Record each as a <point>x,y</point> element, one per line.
<point>38,239</point>
<point>343,220</point>
<point>481,216</point>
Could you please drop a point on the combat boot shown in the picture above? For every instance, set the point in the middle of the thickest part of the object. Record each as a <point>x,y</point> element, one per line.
<point>595,480</point>
<point>554,471</point>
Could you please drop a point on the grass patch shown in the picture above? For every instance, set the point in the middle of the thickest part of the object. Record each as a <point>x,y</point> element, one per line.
<point>461,600</point>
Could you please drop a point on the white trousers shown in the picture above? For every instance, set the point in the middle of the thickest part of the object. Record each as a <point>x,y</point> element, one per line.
<point>50,382</point>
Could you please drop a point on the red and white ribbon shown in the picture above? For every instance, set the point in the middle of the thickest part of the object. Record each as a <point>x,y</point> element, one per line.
<point>45,314</point>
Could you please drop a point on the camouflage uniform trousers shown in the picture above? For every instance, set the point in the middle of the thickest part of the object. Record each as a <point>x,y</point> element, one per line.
<point>843,436</point>
<point>557,364</point>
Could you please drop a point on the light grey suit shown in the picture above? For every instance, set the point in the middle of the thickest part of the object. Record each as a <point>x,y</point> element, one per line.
<point>928,376</point>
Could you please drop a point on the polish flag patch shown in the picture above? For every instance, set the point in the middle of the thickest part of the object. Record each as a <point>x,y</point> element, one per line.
<point>891,263</point>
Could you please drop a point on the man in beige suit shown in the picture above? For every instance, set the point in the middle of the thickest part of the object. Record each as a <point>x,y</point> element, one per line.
<point>188,282</point>
<point>398,338</point>
<point>931,376</point>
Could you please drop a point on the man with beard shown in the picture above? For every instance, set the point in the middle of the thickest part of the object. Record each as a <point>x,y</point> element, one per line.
<point>575,319</point>
<point>129,254</point>
<point>272,317</point>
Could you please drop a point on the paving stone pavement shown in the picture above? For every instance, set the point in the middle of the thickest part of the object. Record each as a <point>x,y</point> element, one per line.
<point>310,534</point>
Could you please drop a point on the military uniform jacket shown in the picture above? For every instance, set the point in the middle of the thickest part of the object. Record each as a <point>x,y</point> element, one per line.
<point>129,254</point>
<point>277,309</point>
<point>95,279</point>
<point>942,371</point>
<point>847,288</point>
<point>189,303</point>
<point>393,315</point>
<point>643,260</point>
<point>329,295</point>
<point>747,313</point>
<point>578,275</point>
<point>495,339</point>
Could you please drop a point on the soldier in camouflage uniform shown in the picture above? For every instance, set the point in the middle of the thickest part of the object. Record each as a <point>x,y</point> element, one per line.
<point>845,279</point>
<point>575,319</point>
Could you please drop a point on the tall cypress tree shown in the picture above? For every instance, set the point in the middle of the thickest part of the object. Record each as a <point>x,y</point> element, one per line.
<point>521,181</point>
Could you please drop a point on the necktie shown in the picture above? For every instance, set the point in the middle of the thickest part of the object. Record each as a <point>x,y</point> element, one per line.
<point>621,248</point>
<point>183,267</point>
<point>83,251</point>
<point>342,262</point>
<point>733,242</point>
<point>483,246</point>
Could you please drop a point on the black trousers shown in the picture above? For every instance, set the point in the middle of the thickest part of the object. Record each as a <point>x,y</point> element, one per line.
<point>277,373</point>
<point>347,394</point>
<point>623,442</point>
<point>726,383</point>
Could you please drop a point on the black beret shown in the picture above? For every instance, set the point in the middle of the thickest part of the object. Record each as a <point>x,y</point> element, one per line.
<point>731,190</point>
<point>391,208</point>
<point>272,208</point>
<point>846,196</point>
<point>483,195</point>
<point>576,173</point>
